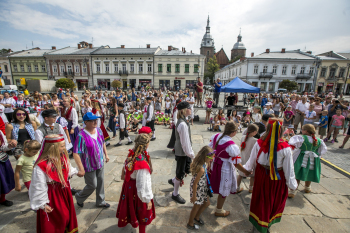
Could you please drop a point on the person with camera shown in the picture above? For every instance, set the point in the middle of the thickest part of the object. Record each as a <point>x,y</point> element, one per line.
<point>217,90</point>
<point>223,173</point>
<point>199,90</point>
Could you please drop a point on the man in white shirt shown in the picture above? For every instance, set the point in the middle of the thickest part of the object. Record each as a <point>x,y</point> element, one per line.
<point>102,101</point>
<point>191,101</point>
<point>300,112</point>
<point>150,116</point>
<point>122,126</point>
<point>183,150</point>
<point>8,102</point>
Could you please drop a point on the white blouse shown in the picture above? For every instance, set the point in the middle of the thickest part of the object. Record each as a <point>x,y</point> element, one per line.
<point>233,150</point>
<point>185,141</point>
<point>284,160</point>
<point>175,117</point>
<point>38,187</point>
<point>298,140</point>
<point>143,184</point>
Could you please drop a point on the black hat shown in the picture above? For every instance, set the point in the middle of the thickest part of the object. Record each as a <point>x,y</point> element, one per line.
<point>155,94</point>
<point>149,98</point>
<point>121,105</point>
<point>183,105</point>
<point>48,113</point>
<point>266,117</point>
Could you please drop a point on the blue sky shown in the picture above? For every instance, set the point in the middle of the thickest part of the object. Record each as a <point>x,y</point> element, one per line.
<point>318,25</point>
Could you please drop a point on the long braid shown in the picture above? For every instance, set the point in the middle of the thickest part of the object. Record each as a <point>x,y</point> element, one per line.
<point>230,127</point>
<point>251,128</point>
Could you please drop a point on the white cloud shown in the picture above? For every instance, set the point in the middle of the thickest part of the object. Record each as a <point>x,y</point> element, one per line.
<point>265,24</point>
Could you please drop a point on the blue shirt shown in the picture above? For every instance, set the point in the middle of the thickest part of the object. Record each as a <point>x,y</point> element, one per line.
<point>218,88</point>
<point>133,96</point>
<point>263,102</point>
<point>118,98</point>
<point>323,120</point>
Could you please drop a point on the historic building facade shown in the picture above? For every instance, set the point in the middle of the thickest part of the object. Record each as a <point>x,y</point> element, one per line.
<point>268,69</point>
<point>5,68</point>
<point>29,64</point>
<point>331,76</point>
<point>207,46</point>
<point>73,63</point>
<point>134,67</point>
<point>222,58</point>
<point>175,69</point>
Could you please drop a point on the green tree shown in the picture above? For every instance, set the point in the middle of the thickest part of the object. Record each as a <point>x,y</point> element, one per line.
<point>289,85</point>
<point>65,83</point>
<point>4,51</point>
<point>116,84</point>
<point>235,59</point>
<point>212,67</point>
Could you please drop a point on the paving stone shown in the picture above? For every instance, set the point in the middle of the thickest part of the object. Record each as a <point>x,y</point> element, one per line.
<point>331,173</point>
<point>8,214</point>
<point>291,224</point>
<point>324,225</point>
<point>336,186</point>
<point>86,215</point>
<point>23,223</point>
<point>345,223</point>
<point>299,205</point>
<point>316,188</point>
<point>332,206</point>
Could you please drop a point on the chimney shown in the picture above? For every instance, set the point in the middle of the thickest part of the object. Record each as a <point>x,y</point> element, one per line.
<point>309,52</point>
<point>252,55</point>
<point>148,46</point>
<point>169,47</point>
<point>191,51</point>
<point>53,47</point>
<point>267,50</point>
<point>90,46</point>
<point>283,50</point>
<point>122,46</point>
<point>184,50</point>
<point>79,46</point>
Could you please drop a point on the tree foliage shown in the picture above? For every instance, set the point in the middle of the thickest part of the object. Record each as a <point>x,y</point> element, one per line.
<point>289,85</point>
<point>4,51</point>
<point>212,67</point>
<point>235,59</point>
<point>116,84</point>
<point>65,83</point>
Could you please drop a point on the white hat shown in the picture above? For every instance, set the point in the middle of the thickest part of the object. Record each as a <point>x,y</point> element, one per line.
<point>268,103</point>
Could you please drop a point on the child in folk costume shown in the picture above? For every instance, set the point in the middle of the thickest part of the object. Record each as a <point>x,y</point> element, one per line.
<point>136,200</point>
<point>247,143</point>
<point>63,122</point>
<point>272,160</point>
<point>144,116</point>
<point>49,191</point>
<point>171,143</point>
<point>199,188</point>
<point>96,110</point>
<point>7,182</point>
<point>122,126</point>
<point>306,155</point>
<point>70,114</point>
<point>223,174</point>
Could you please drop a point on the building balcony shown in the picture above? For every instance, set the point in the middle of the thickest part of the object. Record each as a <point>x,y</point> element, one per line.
<point>303,76</point>
<point>268,75</point>
<point>68,74</point>
<point>335,78</point>
<point>123,73</point>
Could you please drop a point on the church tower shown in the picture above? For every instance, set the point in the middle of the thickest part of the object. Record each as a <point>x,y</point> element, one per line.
<point>238,48</point>
<point>207,46</point>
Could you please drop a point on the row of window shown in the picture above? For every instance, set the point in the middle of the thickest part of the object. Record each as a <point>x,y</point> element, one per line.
<point>116,67</point>
<point>332,72</point>
<point>29,68</point>
<point>177,68</point>
<point>69,69</point>
<point>284,70</point>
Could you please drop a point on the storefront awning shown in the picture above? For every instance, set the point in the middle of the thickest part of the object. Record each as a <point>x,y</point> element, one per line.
<point>330,85</point>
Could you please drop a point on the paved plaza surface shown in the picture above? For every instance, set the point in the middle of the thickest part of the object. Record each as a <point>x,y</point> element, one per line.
<point>326,209</point>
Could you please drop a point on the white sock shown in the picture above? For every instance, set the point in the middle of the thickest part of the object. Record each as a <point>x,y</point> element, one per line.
<point>176,187</point>
<point>129,139</point>
<point>120,141</point>
<point>154,134</point>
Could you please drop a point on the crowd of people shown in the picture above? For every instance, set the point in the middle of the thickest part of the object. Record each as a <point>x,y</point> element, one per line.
<point>42,132</point>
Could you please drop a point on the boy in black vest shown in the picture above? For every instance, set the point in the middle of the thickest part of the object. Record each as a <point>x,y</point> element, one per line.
<point>50,126</point>
<point>122,126</point>
<point>150,117</point>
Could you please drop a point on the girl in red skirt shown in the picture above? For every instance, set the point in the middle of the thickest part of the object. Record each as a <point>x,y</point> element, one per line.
<point>96,109</point>
<point>49,191</point>
<point>271,159</point>
<point>136,200</point>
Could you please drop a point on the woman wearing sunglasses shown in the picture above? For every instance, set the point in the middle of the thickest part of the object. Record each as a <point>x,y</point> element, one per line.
<point>19,130</point>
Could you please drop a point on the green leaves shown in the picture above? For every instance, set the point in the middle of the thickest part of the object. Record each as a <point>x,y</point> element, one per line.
<point>65,83</point>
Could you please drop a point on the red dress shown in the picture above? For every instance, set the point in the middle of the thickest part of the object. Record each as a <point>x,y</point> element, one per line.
<point>130,208</point>
<point>102,127</point>
<point>63,217</point>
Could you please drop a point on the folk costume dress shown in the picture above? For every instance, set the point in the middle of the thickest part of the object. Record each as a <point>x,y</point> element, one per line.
<point>7,181</point>
<point>101,121</point>
<point>306,157</point>
<point>223,178</point>
<point>274,173</point>
<point>70,114</point>
<point>47,189</point>
<point>136,192</point>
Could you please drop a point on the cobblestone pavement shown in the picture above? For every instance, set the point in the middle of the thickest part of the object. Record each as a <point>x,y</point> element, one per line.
<point>326,209</point>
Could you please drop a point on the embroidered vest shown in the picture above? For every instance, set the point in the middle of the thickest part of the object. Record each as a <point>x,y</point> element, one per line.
<point>28,127</point>
<point>47,131</point>
<point>178,148</point>
<point>221,149</point>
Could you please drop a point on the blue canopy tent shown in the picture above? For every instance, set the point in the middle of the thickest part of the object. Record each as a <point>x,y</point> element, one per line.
<point>237,85</point>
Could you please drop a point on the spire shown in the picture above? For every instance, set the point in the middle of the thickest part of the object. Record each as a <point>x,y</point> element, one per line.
<point>208,21</point>
<point>208,27</point>
<point>239,37</point>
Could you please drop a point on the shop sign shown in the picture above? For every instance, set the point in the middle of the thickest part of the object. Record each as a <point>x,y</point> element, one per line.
<point>145,81</point>
<point>330,85</point>
<point>179,78</point>
<point>320,84</point>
